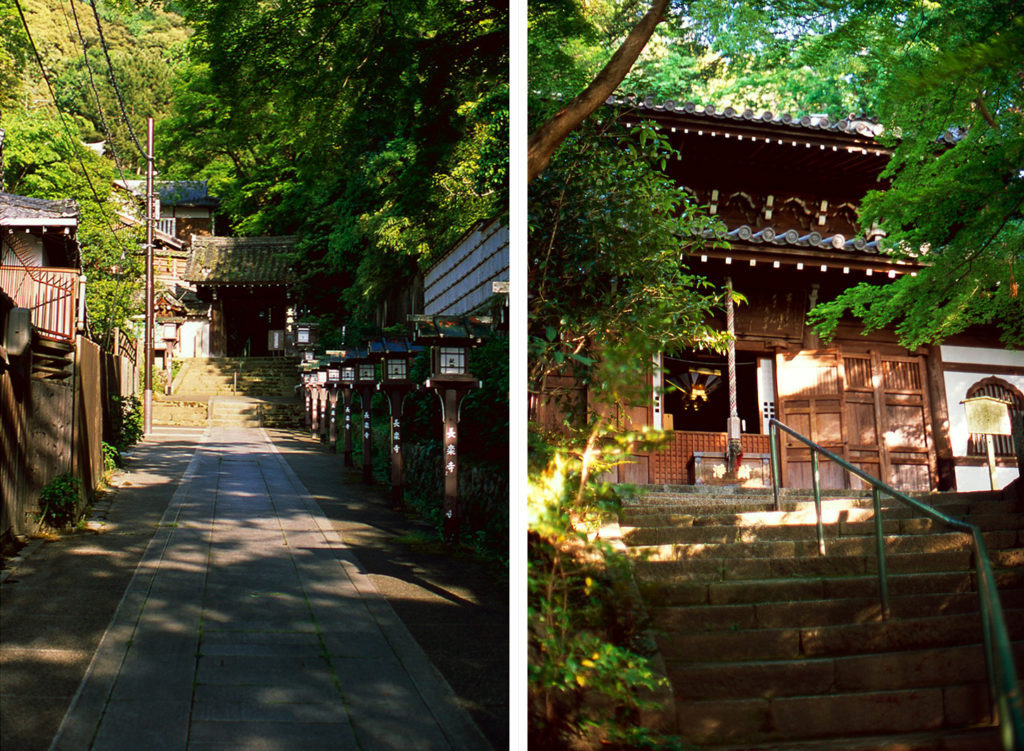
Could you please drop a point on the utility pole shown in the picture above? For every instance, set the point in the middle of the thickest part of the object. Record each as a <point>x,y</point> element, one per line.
<point>147,394</point>
<point>733,424</point>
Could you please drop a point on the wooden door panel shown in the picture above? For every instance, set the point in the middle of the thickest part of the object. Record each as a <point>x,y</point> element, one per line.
<point>861,422</point>
<point>905,427</point>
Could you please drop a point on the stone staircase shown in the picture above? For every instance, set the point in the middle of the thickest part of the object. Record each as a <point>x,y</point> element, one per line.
<point>238,376</point>
<point>770,646</point>
<point>232,392</point>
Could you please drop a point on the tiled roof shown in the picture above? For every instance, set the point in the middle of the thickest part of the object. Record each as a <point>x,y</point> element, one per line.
<point>240,260</point>
<point>852,124</point>
<point>20,210</point>
<point>792,238</point>
<point>175,192</point>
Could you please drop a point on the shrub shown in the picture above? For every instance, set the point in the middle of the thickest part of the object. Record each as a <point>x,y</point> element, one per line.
<point>127,421</point>
<point>59,500</point>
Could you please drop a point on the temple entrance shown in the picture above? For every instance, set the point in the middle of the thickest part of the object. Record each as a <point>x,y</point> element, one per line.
<point>697,391</point>
<point>866,407</point>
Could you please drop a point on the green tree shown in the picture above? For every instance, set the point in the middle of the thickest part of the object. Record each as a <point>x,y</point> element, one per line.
<point>376,131</point>
<point>609,289</point>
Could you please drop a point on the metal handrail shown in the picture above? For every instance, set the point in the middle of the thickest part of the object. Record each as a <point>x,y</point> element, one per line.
<point>1003,687</point>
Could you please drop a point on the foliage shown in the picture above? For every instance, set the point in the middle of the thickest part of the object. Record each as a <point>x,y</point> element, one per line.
<point>127,421</point>
<point>589,677</point>
<point>59,501</point>
<point>111,458</point>
<point>375,131</point>
<point>958,208</point>
<point>609,289</point>
<point>608,281</point>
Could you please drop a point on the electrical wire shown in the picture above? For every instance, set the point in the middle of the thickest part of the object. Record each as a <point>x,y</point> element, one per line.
<point>104,126</point>
<point>113,82</point>
<point>64,126</point>
<point>119,291</point>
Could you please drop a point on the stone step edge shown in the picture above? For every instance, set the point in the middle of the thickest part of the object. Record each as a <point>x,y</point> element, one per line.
<point>927,740</point>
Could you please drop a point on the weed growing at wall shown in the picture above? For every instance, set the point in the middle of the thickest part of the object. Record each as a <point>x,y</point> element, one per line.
<point>59,502</point>
<point>111,459</point>
<point>126,421</point>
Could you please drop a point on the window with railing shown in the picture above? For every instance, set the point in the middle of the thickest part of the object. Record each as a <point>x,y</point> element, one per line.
<point>167,225</point>
<point>998,389</point>
<point>51,294</point>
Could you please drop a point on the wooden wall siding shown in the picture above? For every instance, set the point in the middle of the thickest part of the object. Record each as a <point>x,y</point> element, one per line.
<point>47,428</point>
<point>670,466</point>
<point>870,409</point>
<point>461,281</point>
<point>51,294</point>
<point>88,437</point>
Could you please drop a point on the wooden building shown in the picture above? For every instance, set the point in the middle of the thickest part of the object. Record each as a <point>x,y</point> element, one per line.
<point>788,191</point>
<point>246,281</point>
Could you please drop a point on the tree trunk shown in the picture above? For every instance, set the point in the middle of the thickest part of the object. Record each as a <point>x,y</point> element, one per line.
<point>549,136</point>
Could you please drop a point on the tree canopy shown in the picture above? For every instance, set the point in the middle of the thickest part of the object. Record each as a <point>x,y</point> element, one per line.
<point>375,131</point>
<point>945,80</point>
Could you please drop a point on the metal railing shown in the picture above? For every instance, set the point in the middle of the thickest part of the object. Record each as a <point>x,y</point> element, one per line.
<point>1003,687</point>
<point>50,293</point>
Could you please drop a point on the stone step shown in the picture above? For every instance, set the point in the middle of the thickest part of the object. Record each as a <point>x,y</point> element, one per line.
<point>721,569</point>
<point>893,671</point>
<point>975,739</point>
<point>741,723</point>
<point>697,592</point>
<point>834,546</point>
<point>1001,534</point>
<point>685,619</point>
<point>179,413</point>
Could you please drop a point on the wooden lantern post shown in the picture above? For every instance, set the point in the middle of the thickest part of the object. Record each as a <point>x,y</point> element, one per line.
<point>450,339</point>
<point>348,379</point>
<point>333,387</point>
<point>365,384</point>
<point>321,400</point>
<point>396,363</point>
<point>307,391</point>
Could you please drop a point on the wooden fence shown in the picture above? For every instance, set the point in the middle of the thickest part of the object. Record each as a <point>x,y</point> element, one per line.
<point>49,427</point>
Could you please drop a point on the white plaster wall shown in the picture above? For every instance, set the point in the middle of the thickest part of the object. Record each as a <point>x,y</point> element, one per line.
<point>194,339</point>
<point>957,383</point>
<point>982,356</point>
<point>976,478</point>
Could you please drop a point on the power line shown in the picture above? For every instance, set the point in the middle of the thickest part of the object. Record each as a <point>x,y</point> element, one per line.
<point>105,127</point>
<point>113,82</point>
<point>64,126</point>
<point>119,291</point>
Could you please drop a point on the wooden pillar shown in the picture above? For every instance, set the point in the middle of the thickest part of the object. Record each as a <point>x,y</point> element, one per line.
<point>323,414</point>
<point>365,395</point>
<point>346,399</point>
<point>945,469</point>
<point>451,400</point>
<point>314,422</point>
<point>332,437</point>
<point>396,400</point>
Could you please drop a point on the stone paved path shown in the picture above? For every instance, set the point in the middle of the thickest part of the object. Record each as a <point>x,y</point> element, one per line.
<point>249,625</point>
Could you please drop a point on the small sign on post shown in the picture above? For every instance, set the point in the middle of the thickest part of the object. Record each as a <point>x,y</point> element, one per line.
<point>988,416</point>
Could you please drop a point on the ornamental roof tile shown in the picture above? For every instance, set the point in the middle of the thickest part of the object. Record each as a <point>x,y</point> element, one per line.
<point>240,260</point>
<point>853,125</point>
<point>16,210</point>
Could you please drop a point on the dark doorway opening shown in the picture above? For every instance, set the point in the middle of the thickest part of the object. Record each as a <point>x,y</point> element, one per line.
<point>692,376</point>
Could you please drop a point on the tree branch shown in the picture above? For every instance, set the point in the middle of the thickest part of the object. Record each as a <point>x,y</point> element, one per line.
<point>549,136</point>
